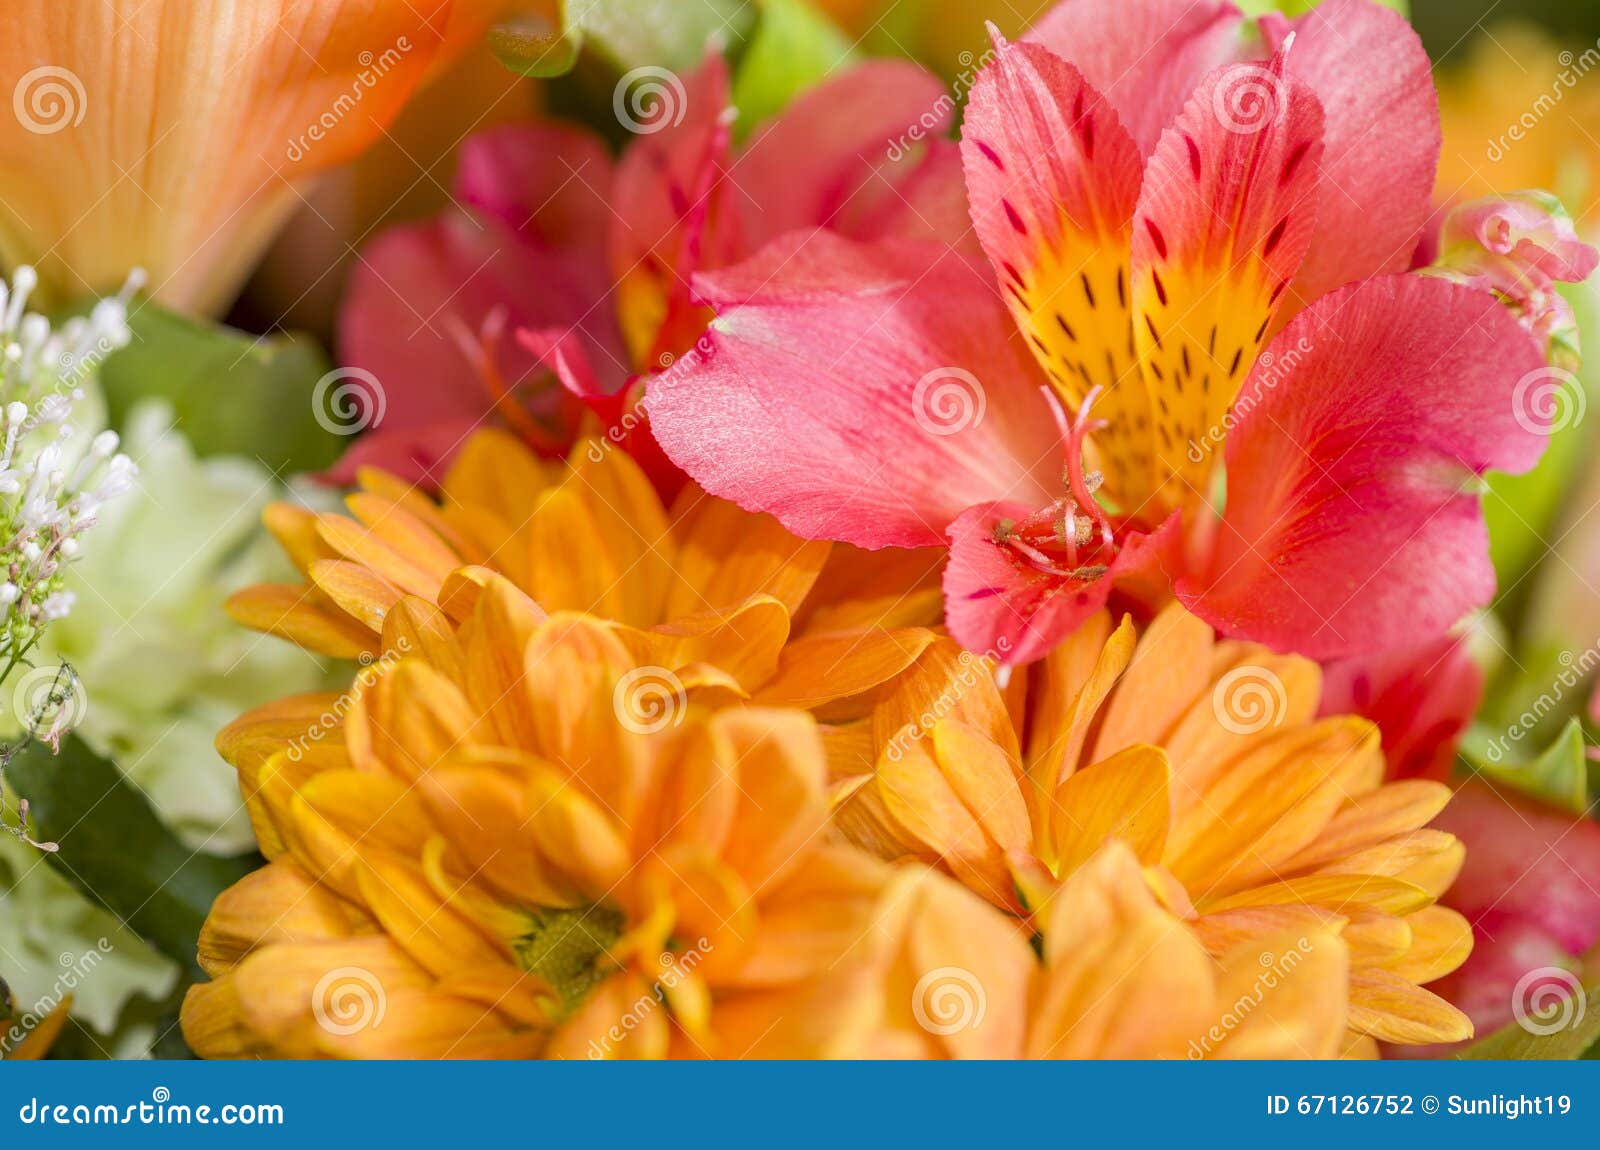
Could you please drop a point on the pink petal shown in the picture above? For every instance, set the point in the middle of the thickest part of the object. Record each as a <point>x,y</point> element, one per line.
<point>1053,178</point>
<point>842,154</point>
<point>1368,68</point>
<point>1145,55</point>
<point>1422,699</point>
<point>1526,863</point>
<point>1352,522</point>
<point>1227,209</point>
<point>1002,607</point>
<point>1533,235</point>
<point>422,291</point>
<point>672,210</point>
<point>865,393</point>
<point>417,453</point>
<point>547,181</point>
<point>532,256</point>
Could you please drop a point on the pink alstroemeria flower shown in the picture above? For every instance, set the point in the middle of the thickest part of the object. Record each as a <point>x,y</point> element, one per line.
<point>1169,231</point>
<point>1422,698</point>
<point>562,258</point>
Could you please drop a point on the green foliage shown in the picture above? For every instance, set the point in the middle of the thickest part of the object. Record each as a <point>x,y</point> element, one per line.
<point>114,849</point>
<point>795,47</point>
<point>231,393</point>
<point>626,33</point>
<point>1572,1041</point>
<point>1558,775</point>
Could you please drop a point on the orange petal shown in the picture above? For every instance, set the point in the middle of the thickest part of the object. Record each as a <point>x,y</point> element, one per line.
<point>295,529</point>
<point>816,670</point>
<point>783,808</point>
<point>296,612</point>
<point>278,903</point>
<point>726,555</point>
<point>363,594</point>
<point>1124,977</point>
<point>1125,798</point>
<point>1281,996</point>
<point>631,528</point>
<point>1169,669</point>
<point>745,640</point>
<point>198,197</point>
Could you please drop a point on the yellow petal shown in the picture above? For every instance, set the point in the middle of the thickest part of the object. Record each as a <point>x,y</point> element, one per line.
<point>945,682</point>
<point>295,529</point>
<point>434,934</point>
<point>1393,1009</point>
<point>1441,940</point>
<point>367,548</point>
<point>1340,894</point>
<point>961,798</point>
<point>1075,679</point>
<point>567,567</point>
<point>1370,818</point>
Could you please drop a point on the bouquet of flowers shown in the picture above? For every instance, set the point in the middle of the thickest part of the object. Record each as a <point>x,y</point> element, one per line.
<point>774,539</point>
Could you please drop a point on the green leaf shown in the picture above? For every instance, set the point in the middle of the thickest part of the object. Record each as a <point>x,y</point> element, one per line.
<point>627,33</point>
<point>1571,1041</point>
<point>114,848</point>
<point>1558,775</point>
<point>1300,7</point>
<point>1521,509</point>
<point>232,393</point>
<point>530,45</point>
<point>794,48</point>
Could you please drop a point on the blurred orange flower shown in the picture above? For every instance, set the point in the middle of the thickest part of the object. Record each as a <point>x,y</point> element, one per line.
<point>176,136</point>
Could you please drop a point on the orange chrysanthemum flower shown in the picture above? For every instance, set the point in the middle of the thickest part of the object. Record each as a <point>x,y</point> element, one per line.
<point>1116,974</point>
<point>713,596</point>
<point>492,858</point>
<point>1252,818</point>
